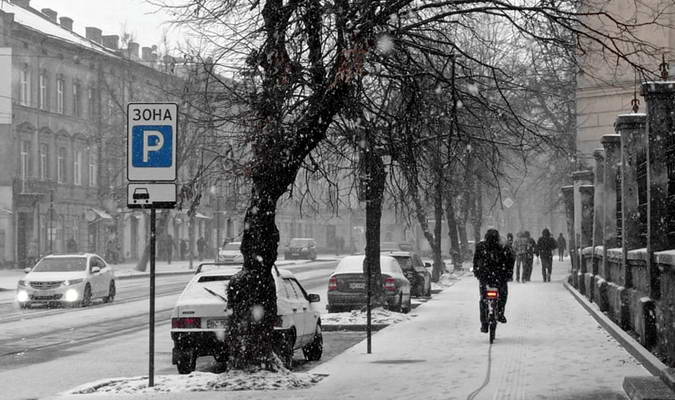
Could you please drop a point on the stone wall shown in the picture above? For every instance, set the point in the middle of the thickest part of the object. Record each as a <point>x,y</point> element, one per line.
<point>634,284</point>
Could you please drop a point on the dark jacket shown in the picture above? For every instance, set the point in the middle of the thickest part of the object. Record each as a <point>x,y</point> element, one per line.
<point>546,244</point>
<point>492,263</point>
<point>562,243</point>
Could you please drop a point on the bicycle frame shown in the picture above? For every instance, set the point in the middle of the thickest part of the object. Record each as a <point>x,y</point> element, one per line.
<point>492,300</point>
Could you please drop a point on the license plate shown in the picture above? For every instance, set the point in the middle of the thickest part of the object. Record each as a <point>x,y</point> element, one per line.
<point>216,323</point>
<point>358,285</point>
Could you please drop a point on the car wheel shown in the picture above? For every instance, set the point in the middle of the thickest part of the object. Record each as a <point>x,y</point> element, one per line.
<point>408,306</point>
<point>111,293</point>
<point>397,307</point>
<point>86,296</point>
<point>284,347</point>
<point>186,362</point>
<point>314,350</point>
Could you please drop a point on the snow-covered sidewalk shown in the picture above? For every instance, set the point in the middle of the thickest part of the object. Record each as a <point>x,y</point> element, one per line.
<point>550,348</point>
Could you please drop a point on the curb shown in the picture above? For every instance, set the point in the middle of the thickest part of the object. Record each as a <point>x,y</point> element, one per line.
<point>647,359</point>
<point>352,328</point>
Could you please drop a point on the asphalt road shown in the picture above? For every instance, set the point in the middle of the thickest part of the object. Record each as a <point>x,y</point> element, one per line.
<point>38,335</point>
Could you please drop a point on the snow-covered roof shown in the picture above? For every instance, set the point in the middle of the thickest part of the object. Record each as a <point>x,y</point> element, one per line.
<point>35,21</point>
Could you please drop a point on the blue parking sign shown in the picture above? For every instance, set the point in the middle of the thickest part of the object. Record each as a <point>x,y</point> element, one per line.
<point>152,146</point>
<point>152,137</point>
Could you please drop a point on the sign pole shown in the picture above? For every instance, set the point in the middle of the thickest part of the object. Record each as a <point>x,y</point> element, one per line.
<point>368,307</point>
<point>151,373</point>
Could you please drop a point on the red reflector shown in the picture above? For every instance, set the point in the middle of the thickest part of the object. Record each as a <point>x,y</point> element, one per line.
<point>332,283</point>
<point>390,284</point>
<point>186,323</point>
<point>492,294</point>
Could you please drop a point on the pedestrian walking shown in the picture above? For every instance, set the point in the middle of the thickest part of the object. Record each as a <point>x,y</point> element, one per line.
<point>530,247</point>
<point>71,246</point>
<point>169,247</point>
<point>562,246</point>
<point>520,247</point>
<point>201,247</point>
<point>491,267</point>
<point>509,254</point>
<point>183,249</point>
<point>545,246</point>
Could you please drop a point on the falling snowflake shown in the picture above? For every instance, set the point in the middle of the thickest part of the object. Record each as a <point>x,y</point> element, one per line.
<point>472,88</point>
<point>385,44</point>
<point>257,312</point>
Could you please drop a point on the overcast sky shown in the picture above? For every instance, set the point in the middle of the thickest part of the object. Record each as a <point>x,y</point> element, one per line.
<point>113,16</point>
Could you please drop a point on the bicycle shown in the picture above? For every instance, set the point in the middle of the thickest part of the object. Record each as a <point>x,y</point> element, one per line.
<point>492,301</point>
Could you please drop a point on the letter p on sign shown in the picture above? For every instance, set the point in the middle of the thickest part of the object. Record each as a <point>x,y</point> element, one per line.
<point>151,146</point>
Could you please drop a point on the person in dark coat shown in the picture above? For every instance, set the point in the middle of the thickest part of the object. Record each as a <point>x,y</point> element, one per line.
<point>201,247</point>
<point>520,247</point>
<point>545,246</point>
<point>491,267</point>
<point>562,246</point>
<point>510,254</point>
<point>530,247</point>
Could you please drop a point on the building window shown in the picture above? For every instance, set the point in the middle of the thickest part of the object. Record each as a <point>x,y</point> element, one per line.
<point>42,95</point>
<point>77,168</point>
<point>76,100</point>
<point>44,161</point>
<point>24,86</point>
<point>61,165</point>
<point>59,95</point>
<point>91,100</point>
<point>92,167</point>
<point>25,160</point>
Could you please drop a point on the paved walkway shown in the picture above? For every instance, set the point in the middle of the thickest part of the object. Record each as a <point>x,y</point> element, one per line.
<point>550,349</point>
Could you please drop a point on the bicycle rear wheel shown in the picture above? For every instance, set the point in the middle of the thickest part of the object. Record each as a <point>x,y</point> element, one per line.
<point>493,330</point>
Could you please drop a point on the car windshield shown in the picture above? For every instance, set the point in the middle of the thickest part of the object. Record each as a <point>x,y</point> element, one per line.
<point>299,243</point>
<point>212,267</point>
<point>61,264</point>
<point>232,246</point>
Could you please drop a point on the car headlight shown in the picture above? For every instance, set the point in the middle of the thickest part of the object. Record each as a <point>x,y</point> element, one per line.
<point>23,283</point>
<point>22,296</point>
<point>72,282</point>
<point>71,295</point>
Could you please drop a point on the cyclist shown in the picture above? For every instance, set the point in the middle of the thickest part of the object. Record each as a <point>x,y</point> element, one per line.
<point>493,266</point>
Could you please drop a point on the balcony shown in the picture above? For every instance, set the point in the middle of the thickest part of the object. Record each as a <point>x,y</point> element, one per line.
<point>32,186</point>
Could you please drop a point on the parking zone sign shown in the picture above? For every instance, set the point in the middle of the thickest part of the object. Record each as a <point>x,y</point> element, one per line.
<point>151,136</point>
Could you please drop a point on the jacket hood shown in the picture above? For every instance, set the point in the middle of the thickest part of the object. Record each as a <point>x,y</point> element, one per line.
<point>545,233</point>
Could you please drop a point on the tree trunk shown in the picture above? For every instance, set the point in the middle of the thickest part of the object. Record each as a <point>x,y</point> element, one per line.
<point>374,190</point>
<point>455,250</point>
<point>439,265</point>
<point>162,223</point>
<point>477,212</point>
<point>252,292</point>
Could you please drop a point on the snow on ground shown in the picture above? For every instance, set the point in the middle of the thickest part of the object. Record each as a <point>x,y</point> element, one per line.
<point>357,317</point>
<point>202,382</point>
<point>446,280</point>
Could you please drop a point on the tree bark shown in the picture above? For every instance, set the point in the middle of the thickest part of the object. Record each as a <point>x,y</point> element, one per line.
<point>477,212</point>
<point>252,292</point>
<point>374,191</point>
<point>162,223</point>
<point>455,250</point>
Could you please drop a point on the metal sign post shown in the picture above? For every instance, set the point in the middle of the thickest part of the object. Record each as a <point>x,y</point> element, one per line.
<point>151,172</point>
<point>369,294</point>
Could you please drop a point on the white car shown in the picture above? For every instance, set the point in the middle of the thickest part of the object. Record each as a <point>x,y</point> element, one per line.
<point>230,254</point>
<point>72,280</point>
<point>199,322</point>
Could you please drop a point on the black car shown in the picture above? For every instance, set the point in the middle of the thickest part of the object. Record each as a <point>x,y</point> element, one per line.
<point>413,269</point>
<point>301,248</point>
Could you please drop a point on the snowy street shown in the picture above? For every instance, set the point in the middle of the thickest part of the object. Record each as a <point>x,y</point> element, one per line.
<point>549,342</point>
<point>41,342</point>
